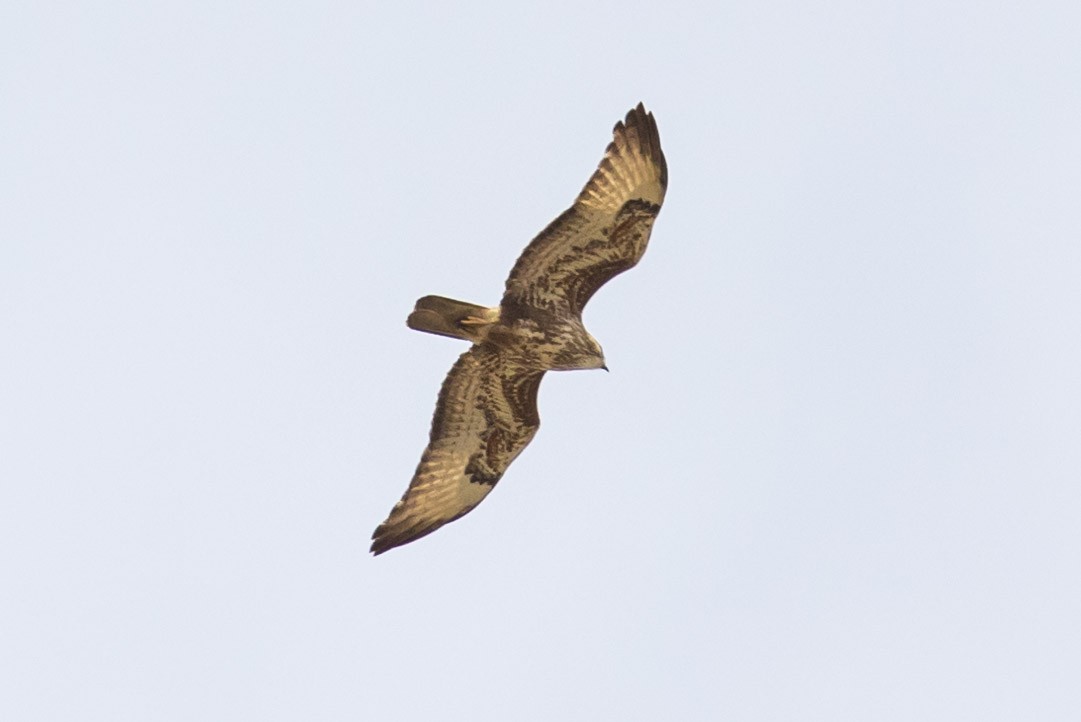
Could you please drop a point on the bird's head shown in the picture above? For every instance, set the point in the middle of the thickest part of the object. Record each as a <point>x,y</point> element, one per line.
<point>581,352</point>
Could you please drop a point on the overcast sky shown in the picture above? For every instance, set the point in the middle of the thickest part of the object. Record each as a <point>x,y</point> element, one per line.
<point>834,473</point>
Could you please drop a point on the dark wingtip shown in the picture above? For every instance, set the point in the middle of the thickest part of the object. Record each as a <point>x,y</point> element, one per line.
<point>387,537</point>
<point>384,539</point>
<point>379,543</point>
<point>642,121</point>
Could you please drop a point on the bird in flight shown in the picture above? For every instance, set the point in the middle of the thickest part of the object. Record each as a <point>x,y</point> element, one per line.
<point>486,413</point>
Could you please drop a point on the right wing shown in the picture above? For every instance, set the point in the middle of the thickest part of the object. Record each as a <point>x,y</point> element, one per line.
<point>485,416</point>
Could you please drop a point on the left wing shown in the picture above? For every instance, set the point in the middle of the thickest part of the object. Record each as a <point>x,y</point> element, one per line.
<point>485,416</point>
<point>605,232</point>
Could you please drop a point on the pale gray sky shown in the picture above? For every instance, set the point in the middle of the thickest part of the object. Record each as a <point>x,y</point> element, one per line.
<point>833,475</point>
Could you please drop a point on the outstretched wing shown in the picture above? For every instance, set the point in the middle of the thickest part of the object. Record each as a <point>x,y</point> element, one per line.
<point>485,416</point>
<point>605,232</point>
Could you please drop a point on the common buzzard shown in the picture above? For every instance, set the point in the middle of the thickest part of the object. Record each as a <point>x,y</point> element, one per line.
<point>487,408</point>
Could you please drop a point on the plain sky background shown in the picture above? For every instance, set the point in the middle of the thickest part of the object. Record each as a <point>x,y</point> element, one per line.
<point>834,474</point>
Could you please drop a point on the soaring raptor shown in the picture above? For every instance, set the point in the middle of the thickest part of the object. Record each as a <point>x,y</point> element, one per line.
<point>487,408</point>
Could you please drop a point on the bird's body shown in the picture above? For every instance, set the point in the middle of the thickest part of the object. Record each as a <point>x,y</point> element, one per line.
<point>487,409</point>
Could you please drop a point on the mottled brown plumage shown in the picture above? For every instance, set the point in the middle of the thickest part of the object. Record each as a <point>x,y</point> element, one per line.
<point>487,408</point>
